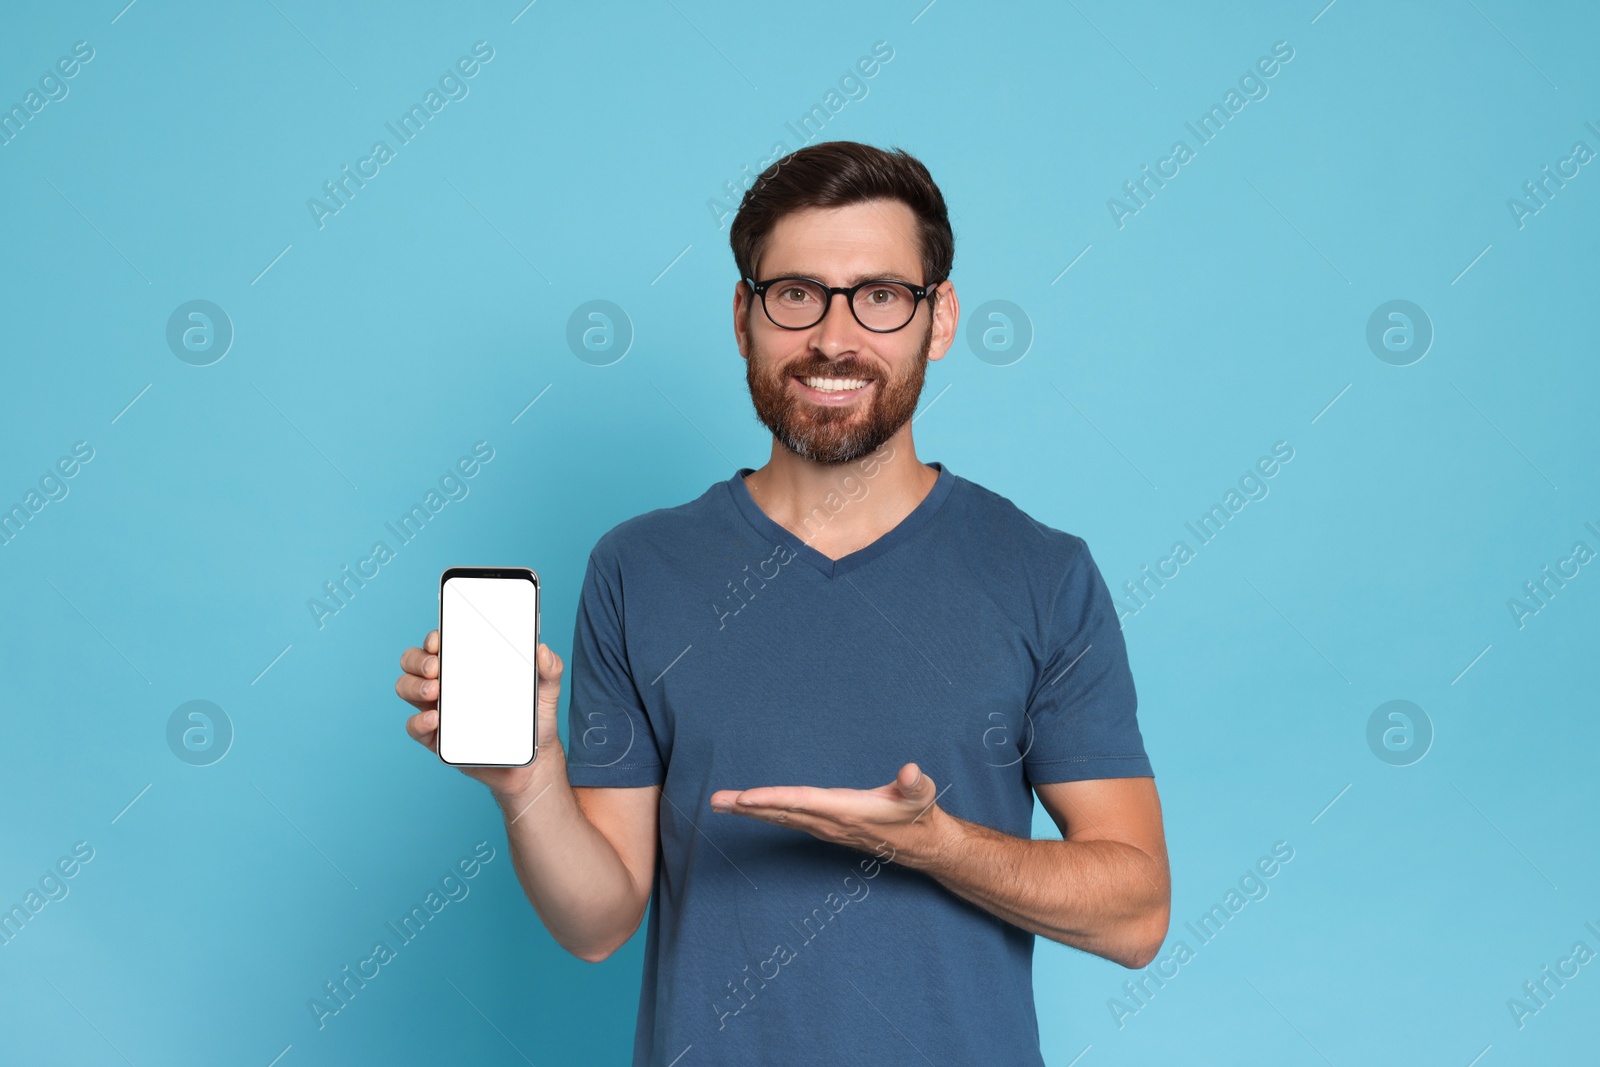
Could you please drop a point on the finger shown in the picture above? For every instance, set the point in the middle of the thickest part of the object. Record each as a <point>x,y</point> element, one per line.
<point>911,781</point>
<point>431,642</point>
<point>794,798</point>
<point>424,728</point>
<point>547,726</point>
<point>421,693</point>
<point>822,828</point>
<point>550,667</point>
<point>885,803</point>
<point>423,664</point>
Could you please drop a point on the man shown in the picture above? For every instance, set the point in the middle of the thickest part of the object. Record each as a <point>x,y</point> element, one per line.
<point>750,667</point>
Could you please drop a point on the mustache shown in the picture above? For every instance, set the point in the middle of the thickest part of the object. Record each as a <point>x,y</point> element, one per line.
<point>829,370</point>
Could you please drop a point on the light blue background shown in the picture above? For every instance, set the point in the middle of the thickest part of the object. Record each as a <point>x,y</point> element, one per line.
<point>1225,316</point>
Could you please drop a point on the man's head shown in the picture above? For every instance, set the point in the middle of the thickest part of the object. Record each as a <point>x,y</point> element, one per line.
<point>841,213</point>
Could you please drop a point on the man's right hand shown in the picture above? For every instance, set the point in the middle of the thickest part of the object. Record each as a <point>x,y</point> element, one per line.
<point>419,687</point>
<point>585,857</point>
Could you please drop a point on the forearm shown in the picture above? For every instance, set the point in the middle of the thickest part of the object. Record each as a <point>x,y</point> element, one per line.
<point>1104,897</point>
<point>572,875</point>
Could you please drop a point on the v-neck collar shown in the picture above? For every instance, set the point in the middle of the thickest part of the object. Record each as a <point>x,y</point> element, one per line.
<point>834,568</point>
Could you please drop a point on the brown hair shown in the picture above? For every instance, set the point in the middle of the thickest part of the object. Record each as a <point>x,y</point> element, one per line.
<point>834,174</point>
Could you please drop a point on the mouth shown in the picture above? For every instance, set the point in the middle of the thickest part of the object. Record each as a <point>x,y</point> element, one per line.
<point>828,390</point>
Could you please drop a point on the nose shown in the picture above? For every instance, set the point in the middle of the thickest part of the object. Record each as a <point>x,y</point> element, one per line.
<point>837,328</point>
<point>829,310</point>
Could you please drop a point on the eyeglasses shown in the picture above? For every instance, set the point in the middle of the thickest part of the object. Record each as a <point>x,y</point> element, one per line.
<point>878,305</point>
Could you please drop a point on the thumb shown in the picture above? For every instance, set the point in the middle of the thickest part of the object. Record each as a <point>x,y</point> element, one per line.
<point>911,781</point>
<point>550,670</point>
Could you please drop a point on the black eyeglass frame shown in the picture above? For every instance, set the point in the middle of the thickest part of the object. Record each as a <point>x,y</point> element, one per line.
<point>919,293</point>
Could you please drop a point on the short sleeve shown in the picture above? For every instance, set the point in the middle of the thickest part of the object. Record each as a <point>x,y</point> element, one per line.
<point>610,741</point>
<point>1082,710</point>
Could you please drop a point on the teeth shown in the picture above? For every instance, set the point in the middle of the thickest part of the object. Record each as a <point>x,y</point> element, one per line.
<point>835,385</point>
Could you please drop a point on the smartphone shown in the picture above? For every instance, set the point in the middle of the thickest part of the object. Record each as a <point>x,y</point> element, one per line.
<point>488,666</point>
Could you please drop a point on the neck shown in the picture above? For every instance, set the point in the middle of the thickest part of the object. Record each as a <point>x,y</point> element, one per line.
<point>840,508</point>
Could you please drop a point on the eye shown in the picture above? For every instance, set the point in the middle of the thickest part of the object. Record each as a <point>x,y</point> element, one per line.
<point>794,294</point>
<point>881,295</point>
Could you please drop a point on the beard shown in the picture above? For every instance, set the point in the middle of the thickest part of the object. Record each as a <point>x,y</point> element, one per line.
<point>834,435</point>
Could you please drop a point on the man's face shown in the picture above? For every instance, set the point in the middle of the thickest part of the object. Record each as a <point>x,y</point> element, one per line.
<point>840,246</point>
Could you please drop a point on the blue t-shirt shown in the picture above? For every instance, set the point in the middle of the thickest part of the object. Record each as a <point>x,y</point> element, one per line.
<point>716,650</point>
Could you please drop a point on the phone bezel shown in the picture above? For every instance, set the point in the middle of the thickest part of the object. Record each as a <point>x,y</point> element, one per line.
<point>522,573</point>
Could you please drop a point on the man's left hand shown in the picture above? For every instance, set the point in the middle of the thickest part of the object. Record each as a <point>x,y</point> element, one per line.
<point>902,814</point>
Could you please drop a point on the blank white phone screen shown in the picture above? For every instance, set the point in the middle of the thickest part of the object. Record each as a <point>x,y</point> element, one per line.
<point>487,671</point>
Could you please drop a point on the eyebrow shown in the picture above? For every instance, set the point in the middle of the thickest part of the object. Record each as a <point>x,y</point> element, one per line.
<point>877,276</point>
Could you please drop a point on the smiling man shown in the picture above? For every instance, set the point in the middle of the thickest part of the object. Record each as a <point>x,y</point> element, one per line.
<point>811,708</point>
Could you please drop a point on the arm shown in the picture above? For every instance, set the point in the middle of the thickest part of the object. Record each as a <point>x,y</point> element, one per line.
<point>1104,889</point>
<point>585,857</point>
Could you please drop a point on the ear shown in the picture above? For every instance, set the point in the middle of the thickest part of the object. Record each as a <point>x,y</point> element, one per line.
<point>741,318</point>
<point>946,319</point>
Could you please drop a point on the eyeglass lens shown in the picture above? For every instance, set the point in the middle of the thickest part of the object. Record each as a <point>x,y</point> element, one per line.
<point>796,302</point>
